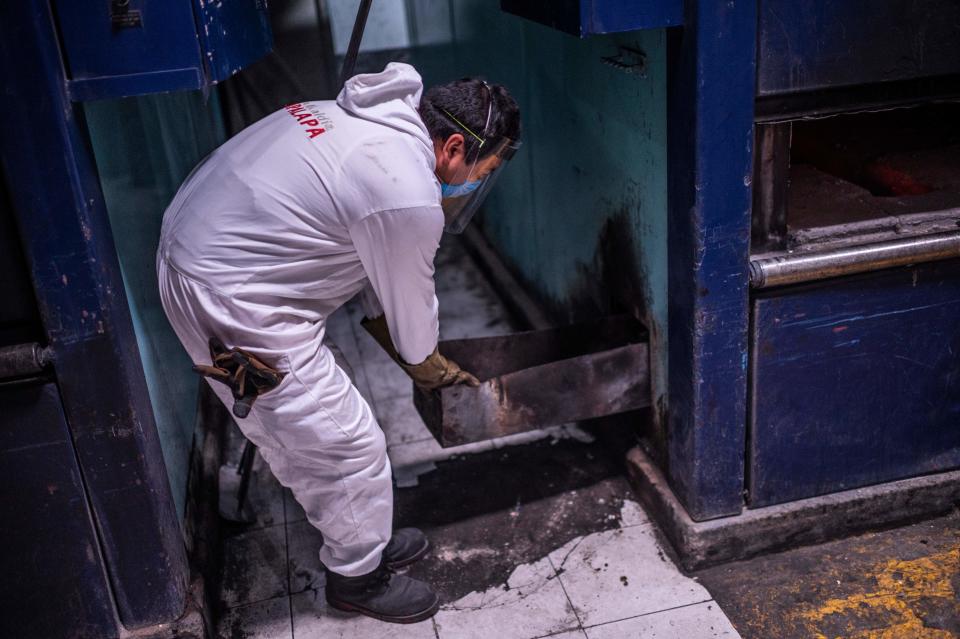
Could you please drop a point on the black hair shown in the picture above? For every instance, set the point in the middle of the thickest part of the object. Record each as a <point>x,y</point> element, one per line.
<point>468,100</point>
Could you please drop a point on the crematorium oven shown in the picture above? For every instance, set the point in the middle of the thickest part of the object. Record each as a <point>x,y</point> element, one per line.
<point>854,352</point>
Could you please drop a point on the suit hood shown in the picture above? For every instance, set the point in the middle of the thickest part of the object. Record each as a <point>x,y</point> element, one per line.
<point>390,98</point>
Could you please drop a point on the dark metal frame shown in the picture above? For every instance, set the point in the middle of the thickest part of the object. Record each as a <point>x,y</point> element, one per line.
<point>66,233</point>
<point>710,131</point>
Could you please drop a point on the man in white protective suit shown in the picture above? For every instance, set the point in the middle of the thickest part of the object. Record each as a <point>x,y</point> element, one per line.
<point>283,224</point>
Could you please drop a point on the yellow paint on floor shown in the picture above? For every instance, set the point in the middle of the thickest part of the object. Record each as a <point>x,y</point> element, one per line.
<point>889,612</point>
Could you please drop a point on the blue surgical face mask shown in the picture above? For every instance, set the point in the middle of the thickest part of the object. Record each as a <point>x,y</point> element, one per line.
<point>458,190</point>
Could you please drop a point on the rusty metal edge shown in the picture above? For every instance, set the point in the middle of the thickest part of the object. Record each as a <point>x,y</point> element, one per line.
<point>490,405</point>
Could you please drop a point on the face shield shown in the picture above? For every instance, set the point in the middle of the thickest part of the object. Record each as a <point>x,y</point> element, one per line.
<point>461,201</point>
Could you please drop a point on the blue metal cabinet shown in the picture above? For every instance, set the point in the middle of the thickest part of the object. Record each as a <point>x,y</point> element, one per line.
<point>855,382</point>
<point>592,17</point>
<point>115,48</point>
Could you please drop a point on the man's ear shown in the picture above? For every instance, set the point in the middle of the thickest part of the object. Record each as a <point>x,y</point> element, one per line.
<point>453,146</point>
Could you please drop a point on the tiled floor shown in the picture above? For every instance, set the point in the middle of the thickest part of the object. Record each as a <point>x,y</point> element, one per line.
<point>614,583</point>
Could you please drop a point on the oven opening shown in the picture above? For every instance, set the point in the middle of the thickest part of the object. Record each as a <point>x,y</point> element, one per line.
<point>855,174</point>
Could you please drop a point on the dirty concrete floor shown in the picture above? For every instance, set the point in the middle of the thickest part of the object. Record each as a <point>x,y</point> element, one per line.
<point>896,584</point>
<point>532,536</point>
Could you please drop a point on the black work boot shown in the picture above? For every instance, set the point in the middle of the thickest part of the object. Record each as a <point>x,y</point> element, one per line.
<point>405,547</point>
<point>384,595</point>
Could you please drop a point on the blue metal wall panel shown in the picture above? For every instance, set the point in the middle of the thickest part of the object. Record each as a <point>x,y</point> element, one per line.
<point>711,94</point>
<point>855,382</point>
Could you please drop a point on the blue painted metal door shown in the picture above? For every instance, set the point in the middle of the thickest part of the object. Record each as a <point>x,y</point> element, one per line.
<point>115,48</point>
<point>103,57</point>
<point>823,44</point>
<point>855,382</point>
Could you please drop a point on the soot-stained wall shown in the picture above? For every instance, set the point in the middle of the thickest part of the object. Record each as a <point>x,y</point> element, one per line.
<point>580,214</point>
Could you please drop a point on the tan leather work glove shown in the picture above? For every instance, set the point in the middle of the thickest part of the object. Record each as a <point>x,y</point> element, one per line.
<point>434,372</point>
<point>437,371</point>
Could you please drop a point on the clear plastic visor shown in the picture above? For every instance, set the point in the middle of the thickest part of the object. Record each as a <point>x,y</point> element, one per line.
<point>458,211</point>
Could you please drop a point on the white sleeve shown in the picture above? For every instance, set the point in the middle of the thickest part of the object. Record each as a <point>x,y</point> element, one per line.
<point>396,248</point>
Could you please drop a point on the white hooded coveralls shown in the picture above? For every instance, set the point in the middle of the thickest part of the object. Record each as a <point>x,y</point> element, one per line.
<point>274,231</point>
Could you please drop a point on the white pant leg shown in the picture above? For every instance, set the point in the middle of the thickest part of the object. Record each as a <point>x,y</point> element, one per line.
<point>334,461</point>
<point>315,431</point>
